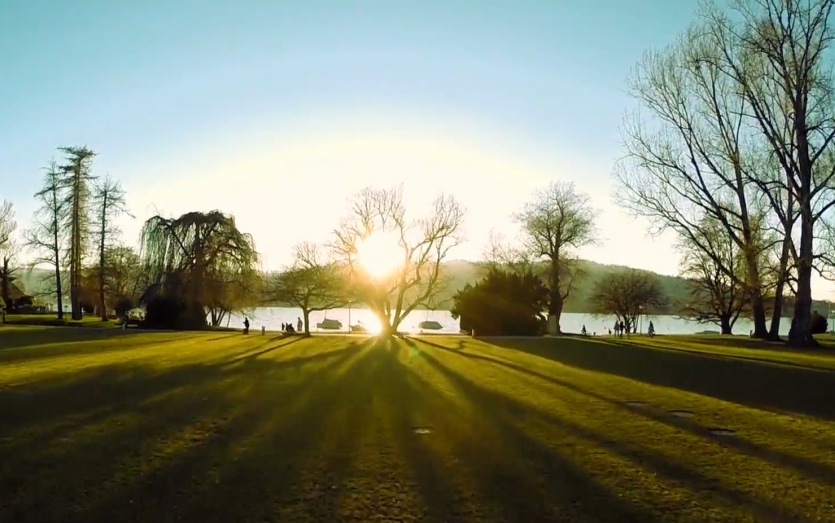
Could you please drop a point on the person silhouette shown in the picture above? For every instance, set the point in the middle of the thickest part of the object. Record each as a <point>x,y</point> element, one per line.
<point>246,325</point>
<point>299,325</point>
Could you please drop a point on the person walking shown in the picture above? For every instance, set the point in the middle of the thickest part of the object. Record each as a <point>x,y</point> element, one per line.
<point>246,325</point>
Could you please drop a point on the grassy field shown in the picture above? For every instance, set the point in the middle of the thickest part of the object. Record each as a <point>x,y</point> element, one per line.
<point>51,320</point>
<point>102,425</point>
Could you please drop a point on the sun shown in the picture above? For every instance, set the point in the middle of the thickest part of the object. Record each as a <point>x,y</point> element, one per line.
<point>380,254</point>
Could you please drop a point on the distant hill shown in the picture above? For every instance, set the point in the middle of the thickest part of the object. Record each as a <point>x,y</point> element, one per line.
<point>36,282</point>
<point>463,272</point>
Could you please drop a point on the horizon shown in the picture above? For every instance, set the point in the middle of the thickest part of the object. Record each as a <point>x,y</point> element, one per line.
<point>248,107</point>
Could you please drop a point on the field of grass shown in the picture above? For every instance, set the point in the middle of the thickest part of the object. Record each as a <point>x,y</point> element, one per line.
<point>51,320</point>
<point>102,425</point>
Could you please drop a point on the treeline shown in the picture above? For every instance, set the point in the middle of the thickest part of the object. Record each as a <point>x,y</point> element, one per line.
<point>733,150</point>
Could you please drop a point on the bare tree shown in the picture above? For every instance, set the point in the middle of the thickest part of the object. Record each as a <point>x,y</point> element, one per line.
<point>8,249</point>
<point>777,53</point>
<point>312,283</point>
<point>46,237</point>
<point>76,178</point>
<point>501,254</point>
<point>108,204</point>
<point>554,224</point>
<point>714,296</point>
<point>626,295</point>
<point>122,277</point>
<point>422,244</point>
<point>696,158</point>
<point>7,222</point>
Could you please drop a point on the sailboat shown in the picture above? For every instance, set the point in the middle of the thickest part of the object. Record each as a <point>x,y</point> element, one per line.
<point>429,325</point>
<point>329,324</point>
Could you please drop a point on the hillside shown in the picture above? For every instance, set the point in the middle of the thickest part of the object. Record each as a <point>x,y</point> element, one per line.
<point>462,272</point>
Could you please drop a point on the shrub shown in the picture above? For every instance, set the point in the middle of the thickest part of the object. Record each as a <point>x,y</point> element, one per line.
<point>166,312</point>
<point>819,323</point>
<point>123,305</point>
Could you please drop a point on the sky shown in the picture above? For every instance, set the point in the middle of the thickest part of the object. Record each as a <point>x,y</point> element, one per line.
<point>277,111</point>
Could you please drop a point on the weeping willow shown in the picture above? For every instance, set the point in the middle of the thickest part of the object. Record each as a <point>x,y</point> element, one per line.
<point>200,258</point>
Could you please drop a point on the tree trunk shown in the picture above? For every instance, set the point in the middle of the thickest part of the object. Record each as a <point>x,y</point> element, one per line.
<point>755,288</point>
<point>800,334</point>
<point>75,251</point>
<point>725,324</point>
<point>5,283</point>
<point>555,301</point>
<point>306,319</point>
<point>102,238</point>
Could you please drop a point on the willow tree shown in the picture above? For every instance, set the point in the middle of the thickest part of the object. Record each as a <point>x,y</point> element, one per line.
<point>196,258</point>
<point>393,263</point>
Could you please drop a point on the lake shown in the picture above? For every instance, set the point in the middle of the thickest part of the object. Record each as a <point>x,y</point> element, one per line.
<point>273,317</point>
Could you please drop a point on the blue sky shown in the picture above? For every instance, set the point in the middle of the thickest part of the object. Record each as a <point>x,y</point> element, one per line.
<point>276,111</point>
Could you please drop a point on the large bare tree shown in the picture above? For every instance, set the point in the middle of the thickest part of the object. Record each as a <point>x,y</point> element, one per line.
<point>626,295</point>
<point>556,222</point>
<point>47,236</point>
<point>8,249</point>
<point>312,283</point>
<point>778,54</point>
<point>693,157</point>
<point>421,244</point>
<point>108,205</point>
<point>714,296</point>
<point>77,179</point>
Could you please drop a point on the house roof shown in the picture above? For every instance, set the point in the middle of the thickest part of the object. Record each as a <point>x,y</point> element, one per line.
<point>15,293</point>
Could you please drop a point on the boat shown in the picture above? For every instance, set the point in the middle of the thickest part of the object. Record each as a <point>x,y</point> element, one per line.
<point>430,326</point>
<point>358,328</point>
<point>329,324</point>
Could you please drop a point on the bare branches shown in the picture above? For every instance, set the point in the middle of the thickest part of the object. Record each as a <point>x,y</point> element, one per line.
<point>7,223</point>
<point>626,295</point>
<point>424,244</point>
<point>46,237</point>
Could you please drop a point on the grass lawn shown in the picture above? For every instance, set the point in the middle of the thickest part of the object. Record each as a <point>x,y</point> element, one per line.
<point>51,320</point>
<point>129,426</point>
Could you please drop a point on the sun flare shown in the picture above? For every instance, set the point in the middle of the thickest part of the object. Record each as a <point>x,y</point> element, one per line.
<point>380,254</point>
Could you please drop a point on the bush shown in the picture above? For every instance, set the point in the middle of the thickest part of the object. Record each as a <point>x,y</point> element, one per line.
<point>819,323</point>
<point>123,305</point>
<point>167,312</point>
<point>502,304</point>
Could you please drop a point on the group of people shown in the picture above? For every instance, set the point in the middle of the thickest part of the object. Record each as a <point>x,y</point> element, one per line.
<point>285,327</point>
<point>621,329</point>
<point>288,327</point>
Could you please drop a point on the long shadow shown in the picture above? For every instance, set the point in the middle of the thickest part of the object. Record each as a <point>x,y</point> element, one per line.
<point>216,409</point>
<point>514,411</point>
<point>272,472</point>
<point>807,467</point>
<point>529,480</point>
<point>77,347</point>
<point>252,355</point>
<point>758,384</point>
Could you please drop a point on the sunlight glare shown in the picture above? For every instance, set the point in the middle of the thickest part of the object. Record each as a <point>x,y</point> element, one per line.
<point>380,254</point>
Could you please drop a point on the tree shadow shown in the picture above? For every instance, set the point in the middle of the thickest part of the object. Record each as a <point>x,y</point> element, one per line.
<point>804,466</point>
<point>513,412</point>
<point>748,382</point>
<point>252,355</point>
<point>522,476</point>
<point>195,415</point>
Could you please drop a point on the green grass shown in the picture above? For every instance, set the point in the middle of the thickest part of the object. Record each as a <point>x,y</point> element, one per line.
<point>52,321</point>
<point>112,426</point>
